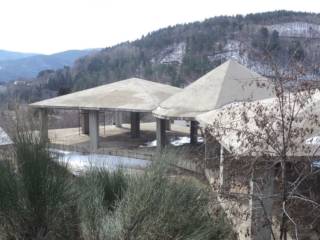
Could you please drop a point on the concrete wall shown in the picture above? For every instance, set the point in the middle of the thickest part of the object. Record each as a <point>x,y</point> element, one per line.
<point>245,196</point>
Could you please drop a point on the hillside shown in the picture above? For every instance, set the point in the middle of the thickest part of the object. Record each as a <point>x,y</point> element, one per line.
<point>179,54</point>
<point>15,66</point>
<point>9,55</point>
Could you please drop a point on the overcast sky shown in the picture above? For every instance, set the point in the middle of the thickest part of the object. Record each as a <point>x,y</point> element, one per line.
<point>48,26</point>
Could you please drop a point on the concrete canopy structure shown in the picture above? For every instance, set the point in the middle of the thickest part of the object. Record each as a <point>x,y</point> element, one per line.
<point>228,122</point>
<point>132,95</point>
<point>230,82</point>
<point>239,134</point>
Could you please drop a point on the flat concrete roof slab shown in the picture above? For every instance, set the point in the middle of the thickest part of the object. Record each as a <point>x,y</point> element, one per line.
<point>134,94</point>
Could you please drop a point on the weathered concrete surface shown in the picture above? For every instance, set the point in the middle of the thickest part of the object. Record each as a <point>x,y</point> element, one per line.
<point>161,134</point>
<point>134,95</point>
<point>261,204</point>
<point>247,212</point>
<point>118,119</point>
<point>228,123</point>
<point>168,125</point>
<point>245,197</point>
<point>94,129</point>
<point>43,125</point>
<point>227,83</point>
<point>212,152</point>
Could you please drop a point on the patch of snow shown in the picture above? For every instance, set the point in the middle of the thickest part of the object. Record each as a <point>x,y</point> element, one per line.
<point>182,141</point>
<point>78,162</point>
<point>296,29</point>
<point>316,164</point>
<point>230,51</point>
<point>232,45</point>
<point>172,54</point>
<point>150,144</point>
<point>313,140</point>
<point>175,141</point>
<point>4,138</point>
<point>236,51</point>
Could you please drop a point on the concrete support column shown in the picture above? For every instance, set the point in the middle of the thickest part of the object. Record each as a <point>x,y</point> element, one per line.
<point>118,119</point>
<point>161,133</point>
<point>43,125</point>
<point>194,132</point>
<point>85,122</point>
<point>135,124</point>
<point>168,125</point>
<point>212,160</point>
<point>261,203</point>
<point>222,172</point>
<point>226,172</point>
<point>212,152</point>
<point>94,129</point>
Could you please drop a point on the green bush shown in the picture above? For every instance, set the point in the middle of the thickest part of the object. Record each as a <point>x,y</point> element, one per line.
<point>40,199</point>
<point>37,197</point>
<point>99,190</point>
<point>157,206</point>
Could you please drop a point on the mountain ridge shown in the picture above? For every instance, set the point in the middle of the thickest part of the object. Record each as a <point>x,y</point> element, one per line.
<point>25,66</point>
<point>180,54</point>
<point>6,55</point>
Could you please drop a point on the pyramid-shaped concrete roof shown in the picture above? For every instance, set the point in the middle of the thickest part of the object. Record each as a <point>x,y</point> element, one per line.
<point>230,82</point>
<point>132,94</point>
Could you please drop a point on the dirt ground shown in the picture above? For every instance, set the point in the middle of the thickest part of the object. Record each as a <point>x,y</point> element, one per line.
<point>112,138</point>
<point>118,142</point>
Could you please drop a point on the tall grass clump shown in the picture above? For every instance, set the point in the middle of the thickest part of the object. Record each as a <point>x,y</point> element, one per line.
<point>157,206</point>
<point>100,190</point>
<point>37,197</point>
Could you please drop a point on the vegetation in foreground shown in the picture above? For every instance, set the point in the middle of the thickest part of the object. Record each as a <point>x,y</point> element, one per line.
<point>40,199</point>
<point>36,195</point>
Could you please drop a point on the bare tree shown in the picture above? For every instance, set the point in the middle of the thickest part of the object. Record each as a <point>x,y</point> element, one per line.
<point>280,135</point>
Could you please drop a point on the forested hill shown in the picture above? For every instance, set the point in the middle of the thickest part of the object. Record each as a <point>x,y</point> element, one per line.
<point>180,54</point>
